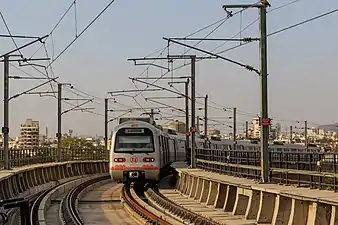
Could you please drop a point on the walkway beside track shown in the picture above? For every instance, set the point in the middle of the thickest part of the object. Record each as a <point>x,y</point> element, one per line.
<point>262,203</point>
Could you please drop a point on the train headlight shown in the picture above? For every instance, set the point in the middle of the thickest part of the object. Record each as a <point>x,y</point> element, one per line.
<point>148,159</point>
<point>119,159</point>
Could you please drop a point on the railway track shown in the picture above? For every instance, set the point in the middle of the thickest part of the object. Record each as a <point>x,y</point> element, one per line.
<point>12,215</point>
<point>69,214</point>
<point>133,202</point>
<point>177,211</point>
<point>145,203</point>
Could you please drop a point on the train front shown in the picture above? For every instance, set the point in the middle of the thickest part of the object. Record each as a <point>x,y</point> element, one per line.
<point>133,155</point>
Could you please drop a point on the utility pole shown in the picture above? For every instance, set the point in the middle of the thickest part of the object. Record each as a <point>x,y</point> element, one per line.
<point>152,114</point>
<point>60,113</point>
<point>305,134</point>
<point>106,123</point>
<point>246,130</point>
<point>205,120</point>
<point>265,121</point>
<point>7,98</point>
<point>58,135</point>
<point>5,129</point>
<point>193,98</point>
<point>193,110</point>
<point>291,134</point>
<point>234,127</point>
<point>264,93</point>
<point>187,115</point>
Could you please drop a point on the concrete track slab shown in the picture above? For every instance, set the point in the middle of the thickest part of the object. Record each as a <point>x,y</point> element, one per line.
<point>102,206</point>
<point>52,214</point>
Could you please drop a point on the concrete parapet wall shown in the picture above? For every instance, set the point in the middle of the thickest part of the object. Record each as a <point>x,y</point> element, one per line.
<point>26,180</point>
<point>263,203</point>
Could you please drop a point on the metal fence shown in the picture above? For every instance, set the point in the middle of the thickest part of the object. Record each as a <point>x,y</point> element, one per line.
<point>23,157</point>
<point>315,170</point>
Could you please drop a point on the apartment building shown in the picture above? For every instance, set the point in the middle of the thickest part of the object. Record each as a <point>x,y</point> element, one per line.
<point>256,128</point>
<point>29,134</point>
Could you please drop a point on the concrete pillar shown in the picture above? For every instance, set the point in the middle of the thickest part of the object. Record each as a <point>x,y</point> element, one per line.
<point>205,191</point>
<point>221,195</point>
<point>266,207</point>
<point>230,198</point>
<point>199,189</point>
<point>282,210</point>
<point>193,188</point>
<point>334,216</point>
<point>213,190</point>
<point>299,212</point>
<point>241,203</point>
<point>253,205</point>
<point>319,214</point>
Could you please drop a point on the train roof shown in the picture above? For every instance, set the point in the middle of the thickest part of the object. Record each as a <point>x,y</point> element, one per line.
<point>136,124</point>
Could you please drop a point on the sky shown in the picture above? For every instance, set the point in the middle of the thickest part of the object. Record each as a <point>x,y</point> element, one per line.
<point>302,62</point>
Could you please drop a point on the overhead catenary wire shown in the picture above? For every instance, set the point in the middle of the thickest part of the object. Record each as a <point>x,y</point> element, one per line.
<point>16,45</point>
<point>289,27</point>
<point>279,7</point>
<point>81,33</point>
<point>206,36</point>
<point>161,51</point>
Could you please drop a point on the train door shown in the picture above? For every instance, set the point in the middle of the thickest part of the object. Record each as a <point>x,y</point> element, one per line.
<point>175,149</point>
<point>167,149</point>
<point>161,149</point>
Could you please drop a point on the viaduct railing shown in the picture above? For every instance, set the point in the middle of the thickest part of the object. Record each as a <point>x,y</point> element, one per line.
<point>315,170</point>
<point>23,157</point>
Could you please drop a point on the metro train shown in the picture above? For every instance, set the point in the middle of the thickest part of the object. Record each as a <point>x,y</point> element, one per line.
<point>140,150</point>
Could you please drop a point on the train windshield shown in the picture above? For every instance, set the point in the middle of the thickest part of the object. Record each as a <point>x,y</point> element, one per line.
<point>134,140</point>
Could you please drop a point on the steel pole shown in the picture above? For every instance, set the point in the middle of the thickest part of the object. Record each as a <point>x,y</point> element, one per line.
<point>193,160</point>
<point>264,94</point>
<point>290,134</point>
<point>187,118</point>
<point>246,130</point>
<point>205,120</point>
<point>5,129</point>
<point>106,123</point>
<point>234,127</point>
<point>59,121</point>
<point>305,135</point>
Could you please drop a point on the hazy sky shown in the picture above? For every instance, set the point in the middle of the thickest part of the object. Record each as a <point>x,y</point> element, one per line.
<point>302,61</point>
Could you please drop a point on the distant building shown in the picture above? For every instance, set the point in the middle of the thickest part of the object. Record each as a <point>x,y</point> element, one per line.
<point>14,143</point>
<point>42,139</point>
<point>29,134</point>
<point>176,125</point>
<point>278,130</point>
<point>256,128</point>
<point>214,132</point>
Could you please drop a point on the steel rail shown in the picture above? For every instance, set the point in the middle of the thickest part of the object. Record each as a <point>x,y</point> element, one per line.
<point>136,207</point>
<point>34,209</point>
<point>70,214</point>
<point>178,210</point>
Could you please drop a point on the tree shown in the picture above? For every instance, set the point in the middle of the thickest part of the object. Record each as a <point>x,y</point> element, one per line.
<point>81,149</point>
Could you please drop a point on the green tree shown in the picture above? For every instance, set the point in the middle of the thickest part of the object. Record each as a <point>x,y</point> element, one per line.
<point>81,149</point>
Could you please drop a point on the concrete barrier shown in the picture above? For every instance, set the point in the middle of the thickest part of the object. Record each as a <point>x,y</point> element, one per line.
<point>23,181</point>
<point>263,203</point>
